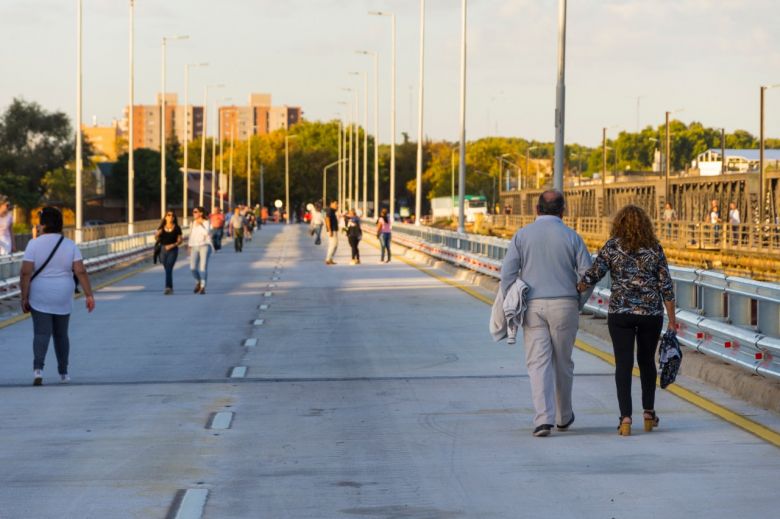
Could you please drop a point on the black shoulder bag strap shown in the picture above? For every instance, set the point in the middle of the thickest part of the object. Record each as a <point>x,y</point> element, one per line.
<point>51,255</point>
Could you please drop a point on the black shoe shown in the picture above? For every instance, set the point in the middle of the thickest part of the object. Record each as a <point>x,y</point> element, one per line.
<point>543,430</point>
<point>565,427</point>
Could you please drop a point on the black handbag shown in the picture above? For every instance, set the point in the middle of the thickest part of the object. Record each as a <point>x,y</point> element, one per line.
<point>157,251</point>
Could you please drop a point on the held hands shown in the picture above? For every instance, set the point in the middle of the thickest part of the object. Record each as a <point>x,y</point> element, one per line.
<point>581,287</point>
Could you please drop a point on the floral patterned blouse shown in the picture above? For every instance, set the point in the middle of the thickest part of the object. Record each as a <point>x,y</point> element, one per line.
<point>640,280</point>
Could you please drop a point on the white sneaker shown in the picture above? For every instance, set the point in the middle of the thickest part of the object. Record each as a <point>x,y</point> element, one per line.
<point>37,378</point>
<point>64,379</point>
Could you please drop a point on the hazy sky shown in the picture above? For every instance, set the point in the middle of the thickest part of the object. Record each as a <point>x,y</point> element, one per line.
<point>708,57</point>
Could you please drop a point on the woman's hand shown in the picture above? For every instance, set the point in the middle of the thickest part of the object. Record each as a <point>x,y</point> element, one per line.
<point>90,303</point>
<point>26,305</point>
<point>581,287</point>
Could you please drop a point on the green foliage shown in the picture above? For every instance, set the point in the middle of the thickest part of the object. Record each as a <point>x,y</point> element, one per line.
<point>146,163</point>
<point>32,143</point>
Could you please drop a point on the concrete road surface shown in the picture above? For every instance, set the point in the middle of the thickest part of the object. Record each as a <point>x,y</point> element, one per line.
<point>370,391</point>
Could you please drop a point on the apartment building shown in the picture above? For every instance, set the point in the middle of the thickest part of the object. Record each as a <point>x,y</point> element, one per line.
<point>147,126</point>
<point>257,118</point>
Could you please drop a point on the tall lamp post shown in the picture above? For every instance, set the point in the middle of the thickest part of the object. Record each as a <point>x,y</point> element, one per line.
<point>356,194</point>
<point>420,99</point>
<point>392,112</point>
<point>761,195</point>
<point>528,151</point>
<point>186,176</point>
<point>668,161</point>
<point>79,165</point>
<point>349,164</point>
<point>560,98</point>
<point>287,174</point>
<point>163,132</point>
<point>462,162</point>
<point>130,141</point>
<point>203,146</point>
<point>324,181</point>
<point>376,127</point>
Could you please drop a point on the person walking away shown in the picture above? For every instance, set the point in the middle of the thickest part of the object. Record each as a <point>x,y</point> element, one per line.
<point>237,226</point>
<point>46,281</point>
<point>734,221</point>
<point>6,227</point>
<point>217,222</point>
<point>641,288</point>
<point>383,230</point>
<point>549,257</point>
<point>200,249</point>
<point>249,223</point>
<point>317,221</point>
<point>170,236</point>
<point>669,215</point>
<point>354,235</point>
<point>332,227</point>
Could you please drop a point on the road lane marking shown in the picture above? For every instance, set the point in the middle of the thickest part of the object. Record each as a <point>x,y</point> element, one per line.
<point>765,433</point>
<point>251,343</point>
<point>189,504</point>
<point>220,420</point>
<point>263,307</point>
<point>271,285</point>
<point>258,322</point>
<point>268,294</point>
<point>238,372</point>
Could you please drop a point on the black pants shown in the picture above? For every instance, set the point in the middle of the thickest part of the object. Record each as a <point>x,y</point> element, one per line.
<point>238,239</point>
<point>645,330</point>
<point>44,327</point>
<point>353,242</point>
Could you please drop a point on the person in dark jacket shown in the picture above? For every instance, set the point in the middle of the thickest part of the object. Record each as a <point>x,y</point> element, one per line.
<point>641,288</point>
<point>354,235</point>
<point>170,237</point>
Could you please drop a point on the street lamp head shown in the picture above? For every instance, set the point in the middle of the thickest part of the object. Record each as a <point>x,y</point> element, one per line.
<point>378,13</point>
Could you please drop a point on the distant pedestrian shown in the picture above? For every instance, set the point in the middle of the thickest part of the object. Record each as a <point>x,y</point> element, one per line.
<point>200,249</point>
<point>735,221</point>
<point>170,237</point>
<point>317,221</point>
<point>669,215</point>
<point>332,226</point>
<point>237,226</point>
<point>641,288</point>
<point>549,258</point>
<point>354,235</point>
<point>714,220</point>
<point>383,232</point>
<point>46,281</point>
<point>217,222</point>
<point>6,227</point>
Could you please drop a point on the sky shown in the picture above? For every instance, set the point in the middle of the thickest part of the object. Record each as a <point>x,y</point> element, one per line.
<point>706,58</point>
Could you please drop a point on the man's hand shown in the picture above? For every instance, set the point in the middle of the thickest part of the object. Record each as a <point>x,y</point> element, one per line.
<point>26,305</point>
<point>90,303</point>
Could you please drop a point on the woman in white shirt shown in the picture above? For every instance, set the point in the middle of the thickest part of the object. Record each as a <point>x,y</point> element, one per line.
<point>200,248</point>
<point>47,286</point>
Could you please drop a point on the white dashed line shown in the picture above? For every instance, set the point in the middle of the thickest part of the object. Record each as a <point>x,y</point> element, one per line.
<point>190,503</point>
<point>238,372</point>
<point>221,420</point>
<point>251,343</point>
<point>259,322</point>
<point>263,307</point>
<point>268,294</point>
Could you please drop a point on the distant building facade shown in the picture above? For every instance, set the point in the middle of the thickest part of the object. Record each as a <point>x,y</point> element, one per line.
<point>257,118</point>
<point>709,163</point>
<point>106,141</point>
<point>147,122</point>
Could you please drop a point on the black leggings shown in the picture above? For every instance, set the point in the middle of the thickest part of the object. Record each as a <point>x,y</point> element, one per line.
<point>624,330</point>
<point>353,242</point>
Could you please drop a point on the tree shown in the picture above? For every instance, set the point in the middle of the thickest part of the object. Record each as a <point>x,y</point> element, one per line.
<point>146,163</point>
<point>32,143</point>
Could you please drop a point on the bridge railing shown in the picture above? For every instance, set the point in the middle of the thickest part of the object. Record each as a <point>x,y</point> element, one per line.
<point>679,234</point>
<point>731,318</point>
<point>95,232</point>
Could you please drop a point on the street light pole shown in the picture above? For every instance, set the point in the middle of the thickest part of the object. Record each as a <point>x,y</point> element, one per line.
<point>761,195</point>
<point>668,160</point>
<point>185,194</point>
<point>376,128</point>
<point>230,161</point>
<point>324,181</point>
<point>560,98</point>
<point>130,131</point>
<point>79,163</point>
<point>420,99</point>
<point>462,163</point>
<point>249,166</point>
<point>392,113</point>
<point>163,133</point>
<point>365,144</point>
<point>287,174</point>
<point>203,148</point>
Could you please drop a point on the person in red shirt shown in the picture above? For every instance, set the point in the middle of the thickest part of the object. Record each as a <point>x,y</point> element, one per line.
<point>217,221</point>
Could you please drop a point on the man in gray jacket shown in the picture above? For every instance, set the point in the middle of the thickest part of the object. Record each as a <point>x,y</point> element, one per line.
<point>550,258</point>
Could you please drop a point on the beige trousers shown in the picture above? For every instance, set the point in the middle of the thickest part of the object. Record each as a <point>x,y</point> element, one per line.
<point>333,245</point>
<point>549,330</point>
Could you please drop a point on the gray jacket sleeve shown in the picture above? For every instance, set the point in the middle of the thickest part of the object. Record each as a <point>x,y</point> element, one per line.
<point>510,268</point>
<point>584,261</point>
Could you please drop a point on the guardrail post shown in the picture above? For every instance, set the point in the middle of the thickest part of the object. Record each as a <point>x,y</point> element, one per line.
<point>713,289</point>
<point>769,317</point>
<point>685,289</point>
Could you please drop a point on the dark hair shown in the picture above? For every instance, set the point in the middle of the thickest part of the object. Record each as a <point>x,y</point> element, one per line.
<point>201,210</point>
<point>51,219</point>
<point>175,220</point>
<point>383,215</point>
<point>551,203</point>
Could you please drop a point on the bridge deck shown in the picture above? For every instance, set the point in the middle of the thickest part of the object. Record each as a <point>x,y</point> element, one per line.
<point>372,391</point>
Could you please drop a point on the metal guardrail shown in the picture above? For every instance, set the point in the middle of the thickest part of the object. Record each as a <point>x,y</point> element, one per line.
<point>96,232</point>
<point>736,320</point>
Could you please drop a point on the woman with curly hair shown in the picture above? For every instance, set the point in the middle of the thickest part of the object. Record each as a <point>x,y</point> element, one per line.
<point>641,287</point>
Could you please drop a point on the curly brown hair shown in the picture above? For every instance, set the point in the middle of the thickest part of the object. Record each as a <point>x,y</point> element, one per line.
<point>633,228</point>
